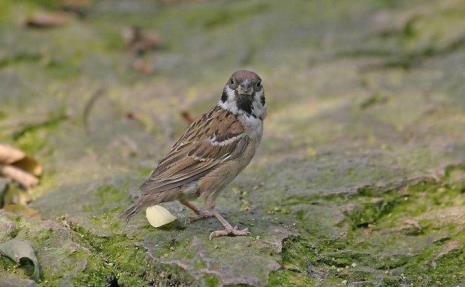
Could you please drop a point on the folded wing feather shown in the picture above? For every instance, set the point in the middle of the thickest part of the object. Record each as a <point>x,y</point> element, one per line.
<point>216,137</point>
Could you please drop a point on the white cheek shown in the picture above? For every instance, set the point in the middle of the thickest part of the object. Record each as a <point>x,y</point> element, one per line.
<point>259,108</point>
<point>231,94</point>
<point>258,97</point>
<point>230,103</point>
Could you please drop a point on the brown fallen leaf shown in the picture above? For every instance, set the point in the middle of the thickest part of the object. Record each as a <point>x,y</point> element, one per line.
<point>9,154</point>
<point>187,116</point>
<point>23,210</point>
<point>130,115</point>
<point>13,156</point>
<point>30,165</point>
<point>142,66</point>
<point>138,42</point>
<point>47,20</point>
<point>25,179</point>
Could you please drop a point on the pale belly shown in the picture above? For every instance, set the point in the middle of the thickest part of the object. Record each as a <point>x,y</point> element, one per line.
<point>210,185</point>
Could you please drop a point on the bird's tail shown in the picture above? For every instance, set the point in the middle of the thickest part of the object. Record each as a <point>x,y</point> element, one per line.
<point>133,210</point>
<point>141,203</point>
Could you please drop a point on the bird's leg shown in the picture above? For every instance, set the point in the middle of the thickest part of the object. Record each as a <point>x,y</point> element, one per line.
<point>228,230</point>
<point>199,214</point>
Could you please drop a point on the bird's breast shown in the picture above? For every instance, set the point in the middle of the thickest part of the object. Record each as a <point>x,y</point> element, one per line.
<point>253,127</point>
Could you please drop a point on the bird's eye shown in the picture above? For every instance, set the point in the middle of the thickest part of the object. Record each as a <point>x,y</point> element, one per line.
<point>258,85</point>
<point>232,82</point>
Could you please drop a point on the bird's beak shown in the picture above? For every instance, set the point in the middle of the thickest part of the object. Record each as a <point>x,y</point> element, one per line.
<point>245,88</point>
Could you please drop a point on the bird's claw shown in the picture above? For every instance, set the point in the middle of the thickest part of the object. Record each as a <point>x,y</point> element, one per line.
<point>232,231</point>
<point>201,215</point>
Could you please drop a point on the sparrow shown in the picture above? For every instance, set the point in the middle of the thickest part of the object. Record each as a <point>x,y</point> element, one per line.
<point>210,154</point>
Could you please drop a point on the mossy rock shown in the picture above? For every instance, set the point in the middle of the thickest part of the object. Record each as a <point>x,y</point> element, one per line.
<point>358,180</point>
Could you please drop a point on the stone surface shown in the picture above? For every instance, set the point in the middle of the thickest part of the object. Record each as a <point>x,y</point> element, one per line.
<point>359,179</point>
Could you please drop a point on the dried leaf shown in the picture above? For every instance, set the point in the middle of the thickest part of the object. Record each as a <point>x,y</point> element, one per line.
<point>23,210</point>
<point>139,43</point>
<point>47,20</point>
<point>130,115</point>
<point>30,165</point>
<point>142,66</point>
<point>158,216</point>
<point>9,154</point>
<point>22,253</point>
<point>25,179</point>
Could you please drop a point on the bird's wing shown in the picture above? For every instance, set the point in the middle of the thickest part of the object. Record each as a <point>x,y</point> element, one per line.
<point>216,137</point>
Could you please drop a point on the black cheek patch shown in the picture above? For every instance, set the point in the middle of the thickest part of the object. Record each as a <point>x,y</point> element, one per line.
<point>245,103</point>
<point>262,100</point>
<point>224,96</point>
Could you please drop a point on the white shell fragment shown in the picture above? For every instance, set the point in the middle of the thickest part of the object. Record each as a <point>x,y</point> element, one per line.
<point>158,216</point>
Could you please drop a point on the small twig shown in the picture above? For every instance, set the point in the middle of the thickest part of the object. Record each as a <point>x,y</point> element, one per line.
<point>88,107</point>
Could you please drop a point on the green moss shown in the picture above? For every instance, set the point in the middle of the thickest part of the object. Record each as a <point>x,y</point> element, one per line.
<point>373,100</point>
<point>226,16</point>
<point>455,177</point>
<point>113,40</point>
<point>118,258</point>
<point>23,57</point>
<point>33,137</point>
<point>32,142</point>
<point>211,281</point>
<point>379,240</point>
<point>389,263</point>
<point>46,3</point>
<point>8,265</point>
<point>448,270</point>
<point>371,239</point>
<point>22,270</point>
<point>109,193</point>
<point>372,210</point>
<point>290,278</point>
<point>297,253</point>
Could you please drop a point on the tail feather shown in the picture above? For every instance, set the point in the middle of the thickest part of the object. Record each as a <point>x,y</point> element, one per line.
<point>141,203</point>
<point>131,211</point>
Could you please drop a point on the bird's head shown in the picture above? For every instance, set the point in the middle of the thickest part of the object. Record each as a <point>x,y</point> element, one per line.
<point>244,93</point>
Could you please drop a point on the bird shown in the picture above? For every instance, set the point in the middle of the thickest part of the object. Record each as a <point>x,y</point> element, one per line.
<point>210,154</point>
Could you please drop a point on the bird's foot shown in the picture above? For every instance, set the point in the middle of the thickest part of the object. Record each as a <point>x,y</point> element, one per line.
<point>203,214</point>
<point>229,231</point>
